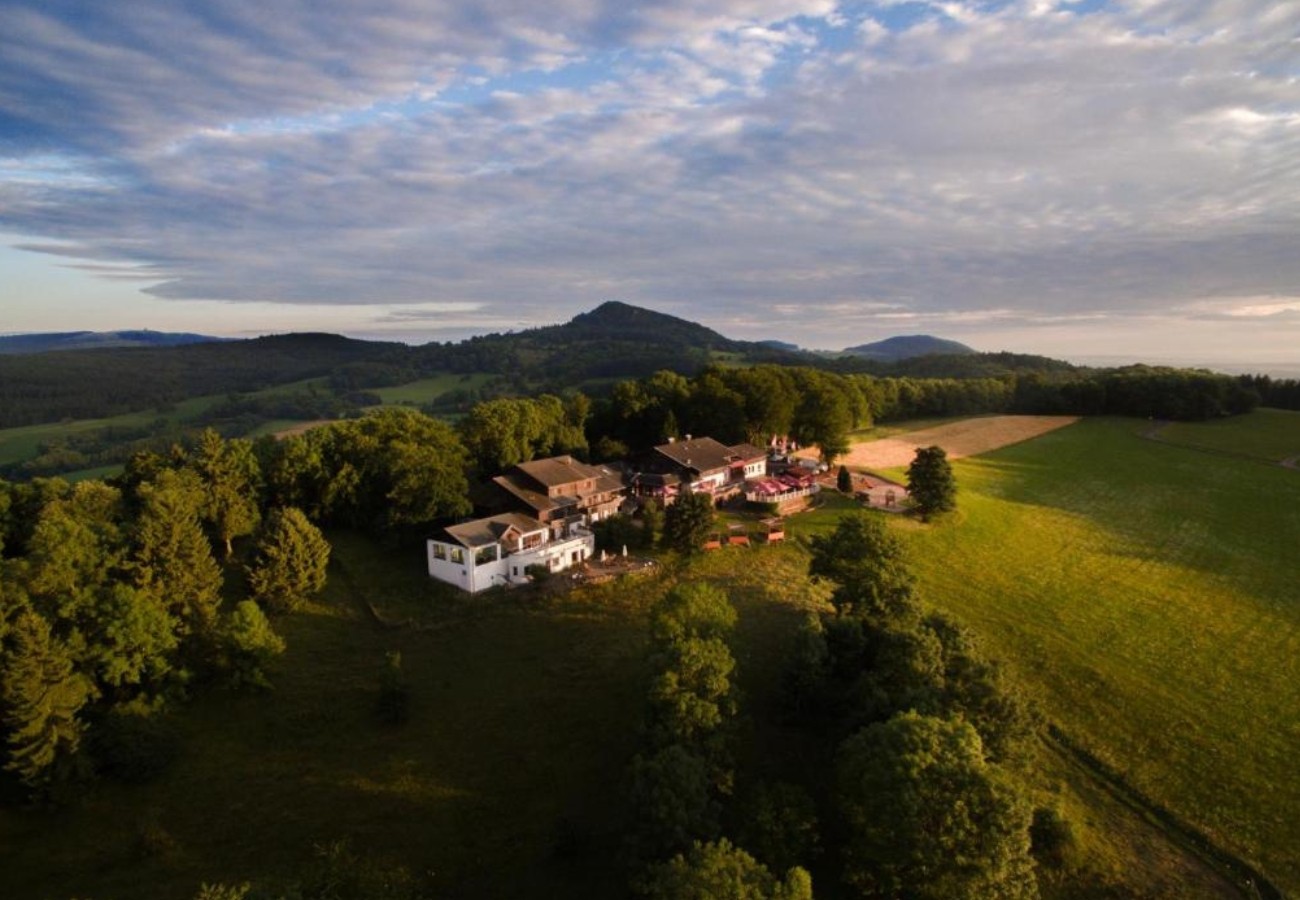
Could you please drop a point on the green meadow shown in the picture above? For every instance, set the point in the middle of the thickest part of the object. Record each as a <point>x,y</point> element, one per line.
<point>1149,597</point>
<point>1270,434</point>
<point>426,390</point>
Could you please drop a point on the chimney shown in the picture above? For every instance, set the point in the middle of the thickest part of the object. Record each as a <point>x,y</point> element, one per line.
<point>672,440</point>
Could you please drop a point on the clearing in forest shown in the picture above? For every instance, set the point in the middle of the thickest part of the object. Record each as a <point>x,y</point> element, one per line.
<point>967,437</point>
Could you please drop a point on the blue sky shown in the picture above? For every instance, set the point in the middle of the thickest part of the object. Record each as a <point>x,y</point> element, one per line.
<point>1078,179</point>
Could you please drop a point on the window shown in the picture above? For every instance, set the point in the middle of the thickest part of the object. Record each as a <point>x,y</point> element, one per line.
<point>439,551</point>
<point>457,555</point>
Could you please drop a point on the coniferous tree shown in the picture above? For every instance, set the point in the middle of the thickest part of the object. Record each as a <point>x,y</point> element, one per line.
<point>248,644</point>
<point>43,695</point>
<point>172,559</point>
<point>292,556</point>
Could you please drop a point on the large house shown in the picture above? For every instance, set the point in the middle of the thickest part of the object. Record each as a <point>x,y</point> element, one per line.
<point>549,504</point>
<point>499,549</point>
<point>700,464</point>
<point>561,487</point>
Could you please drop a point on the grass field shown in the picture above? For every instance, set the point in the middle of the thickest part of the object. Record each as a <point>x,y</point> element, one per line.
<point>1147,594</point>
<point>427,390</point>
<point>1271,434</point>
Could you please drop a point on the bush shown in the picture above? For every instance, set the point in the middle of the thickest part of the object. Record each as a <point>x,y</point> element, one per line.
<point>1052,839</point>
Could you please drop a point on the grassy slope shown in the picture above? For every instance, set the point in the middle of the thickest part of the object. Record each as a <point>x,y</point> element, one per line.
<point>18,444</point>
<point>523,717</point>
<point>1147,594</point>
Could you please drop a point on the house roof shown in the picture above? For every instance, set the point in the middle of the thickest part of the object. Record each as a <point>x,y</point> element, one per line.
<point>482,532</point>
<point>558,470</point>
<point>522,481</point>
<point>704,454</point>
<point>748,452</point>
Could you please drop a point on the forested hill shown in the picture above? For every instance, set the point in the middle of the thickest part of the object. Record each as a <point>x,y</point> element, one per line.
<point>614,340</point>
<point>91,340</point>
<point>84,384</point>
<point>907,347</point>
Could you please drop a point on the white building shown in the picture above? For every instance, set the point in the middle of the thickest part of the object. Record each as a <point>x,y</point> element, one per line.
<point>497,550</point>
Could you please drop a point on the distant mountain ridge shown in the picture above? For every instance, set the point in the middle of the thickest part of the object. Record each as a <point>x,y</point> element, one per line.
<point>44,342</point>
<point>907,346</point>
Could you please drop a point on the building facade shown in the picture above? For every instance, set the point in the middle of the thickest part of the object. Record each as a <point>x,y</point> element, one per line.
<point>498,550</point>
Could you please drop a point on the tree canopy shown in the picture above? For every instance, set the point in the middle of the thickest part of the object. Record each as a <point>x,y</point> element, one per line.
<point>930,482</point>
<point>928,817</point>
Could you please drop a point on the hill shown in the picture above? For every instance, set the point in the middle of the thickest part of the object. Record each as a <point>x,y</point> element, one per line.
<point>907,346</point>
<point>614,340</point>
<point>89,340</point>
<point>83,384</point>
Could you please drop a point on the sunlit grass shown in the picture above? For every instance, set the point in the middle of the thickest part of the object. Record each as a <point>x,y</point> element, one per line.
<point>1147,594</point>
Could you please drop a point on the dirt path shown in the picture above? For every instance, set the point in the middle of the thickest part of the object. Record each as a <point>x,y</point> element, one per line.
<point>968,437</point>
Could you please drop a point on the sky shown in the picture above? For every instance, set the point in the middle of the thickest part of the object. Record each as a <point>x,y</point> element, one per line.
<point>1083,179</point>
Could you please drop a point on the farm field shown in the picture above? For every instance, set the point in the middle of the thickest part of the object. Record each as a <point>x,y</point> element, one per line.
<point>1271,434</point>
<point>959,437</point>
<point>427,390</point>
<point>1146,595</point>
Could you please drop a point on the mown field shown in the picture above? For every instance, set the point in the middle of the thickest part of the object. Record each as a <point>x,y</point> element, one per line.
<point>1270,434</point>
<point>1149,596</point>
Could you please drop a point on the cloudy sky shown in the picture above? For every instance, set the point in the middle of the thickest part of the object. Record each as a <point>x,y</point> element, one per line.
<point>1074,178</point>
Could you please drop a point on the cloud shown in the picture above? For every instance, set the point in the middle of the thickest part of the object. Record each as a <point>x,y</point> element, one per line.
<point>963,164</point>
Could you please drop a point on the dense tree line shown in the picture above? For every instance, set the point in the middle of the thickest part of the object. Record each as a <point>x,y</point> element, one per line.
<point>682,779</point>
<point>501,433</point>
<point>731,405</point>
<point>114,600</point>
<point>1279,393</point>
<point>387,470</point>
<point>930,738</point>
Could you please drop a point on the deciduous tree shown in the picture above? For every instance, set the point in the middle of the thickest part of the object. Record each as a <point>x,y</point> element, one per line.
<point>865,562</point>
<point>231,482</point>
<point>719,870</point>
<point>928,817</point>
<point>687,521</point>
<point>930,482</point>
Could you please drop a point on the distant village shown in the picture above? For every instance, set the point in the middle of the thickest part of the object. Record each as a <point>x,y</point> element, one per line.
<point>544,509</point>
